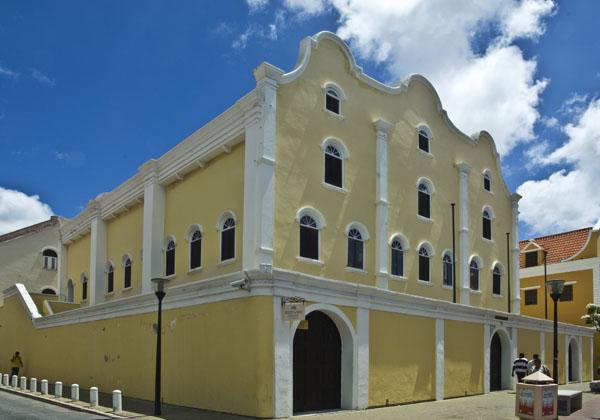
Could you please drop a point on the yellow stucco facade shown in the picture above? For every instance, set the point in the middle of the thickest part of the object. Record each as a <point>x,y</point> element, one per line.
<point>464,359</point>
<point>78,264</point>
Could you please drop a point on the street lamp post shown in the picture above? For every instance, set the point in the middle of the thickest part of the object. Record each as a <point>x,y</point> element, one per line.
<point>159,284</point>
<point>555,289</point>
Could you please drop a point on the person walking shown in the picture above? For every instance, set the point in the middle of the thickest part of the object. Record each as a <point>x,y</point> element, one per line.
<point>532,362</point>
<point>16,363</point>
<point>539,366</point>
<point>520,367</point>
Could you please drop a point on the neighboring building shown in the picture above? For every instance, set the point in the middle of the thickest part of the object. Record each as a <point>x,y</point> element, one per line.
<point>571,256</point>
<point>321,184</point>
<point>31,256</point>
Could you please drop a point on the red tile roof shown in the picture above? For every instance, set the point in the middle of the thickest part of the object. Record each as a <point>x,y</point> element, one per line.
<point>560,246</point>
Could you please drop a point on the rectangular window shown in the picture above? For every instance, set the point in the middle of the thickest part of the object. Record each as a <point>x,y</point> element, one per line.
<point>487,228</point>
<point>195,254</point>
<point>333,170</point>
<point>474,278</point>
<point>424,205</point>
<point>447,274</point>
<point>423,268</point>
<point>567,294</point>
<point>170,262</point>
<point>84,290</point>
<point>227,244</point>
<point>487,183</point>
<point>397,262</point>
<point>355,253</point>
<point>127,277</point>
<point>531,297</point>
<point>423,142</point>
<point>531,259</point>
<point>332,104</point>
<point>309,242</point>
<point>496,283</point>
<point>111,282</point>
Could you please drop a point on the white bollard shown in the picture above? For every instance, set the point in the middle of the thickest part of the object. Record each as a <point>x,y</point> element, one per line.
<point>117,401</point>
<point>75,392</point>
<point>58,389</point>
<point>5,379</point>
<point>94,396</point>
<point>33,385</point>
<point>14,381</point>
<point>45,386</point>
<point>23,384</point>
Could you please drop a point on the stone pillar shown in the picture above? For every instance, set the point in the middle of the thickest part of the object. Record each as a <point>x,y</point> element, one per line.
<point>381,217</point>
<point>259,171</point>
<point>154,222</point>
<point>463,232</point>
<point>514,250</point>
<point>97,256</point>
<point>439,359</point>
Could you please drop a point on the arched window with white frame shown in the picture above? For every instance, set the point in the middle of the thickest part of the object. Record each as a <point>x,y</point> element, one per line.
<point>110,278</point>
<point>70,291</point>
<point>335,153</point>
<point>474,268</point>
<point>356,235</point>
<point>424,263</point>
<point>195,240</point>
<point>447,269</point>
<point>170,257</point>
<point>497,279</point>
<point>310,223</point>
<point>487,180</point>
<point>424,191</point>
<point>84,287</point>
<point>424,139</point>
<point>398,248</point>
<point>227,234</point>
<point>333,98</point>
<point>50,259</point>
<point>126,271</point>
<point>486,219</point>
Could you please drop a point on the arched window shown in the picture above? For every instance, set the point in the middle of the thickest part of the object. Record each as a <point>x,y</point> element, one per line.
<point>48,291</point>
<point>487,181</point>
<point>356,258</point>
<point>424,140</point>
<point>50,259</point>
<point>474,274</point>
<point>70,291</point>
<point>424,199</point>
<point>424,271</point>
<point>228,239</point>
<point>110,278</point>
<point>334,166</point>
<point>170,258</point>
<point>397,265</point>
<point>447,269</point>
<point>497,280</point>
<point>195,249</point>
<point>487,224</point>
<point>126,272</point>
<point>309,237</point>
<point>84,286</point>
<point>332,101</point>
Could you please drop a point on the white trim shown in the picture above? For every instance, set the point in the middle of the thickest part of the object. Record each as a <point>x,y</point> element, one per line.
<point>339,145</point>
<point>569,283</point>
<point>439,359</point>
<point>561,267</point>
<point>153,233</point>
<point>428,183</point>
<point>332,85</point>
<point>488,173</point>
<point>381,189</point>
<point>362,358</point>
<point>320,221</point>
<point>96,287</point>
<point>424,219</point>
<point>587,242</point>
<point>191,230</point>
<point>314,213</point>
<point>508,348</point>
<point>425,128</point>
<point>334,188</point>
<point>462,259</point>
<point>226,215</point>
<point>310,261</point>
<point>339,94</point>
<point>530,288</point>
<point>364,232</point>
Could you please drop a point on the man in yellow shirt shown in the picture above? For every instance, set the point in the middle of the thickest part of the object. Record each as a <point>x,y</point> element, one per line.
<point>16,363</point>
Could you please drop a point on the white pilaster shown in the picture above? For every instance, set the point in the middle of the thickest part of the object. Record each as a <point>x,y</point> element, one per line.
<point>514,264</point>
<point>97,257</point>
<point>514,348</point>
<point>486,358</point>
<point>463,232</point>
<point>283,404</point>
<point>381,246</point>
<point>259,171</point>
<point>565,355</point>
<point>439,359</point>
<point>154,222</point>
<point>596,283</point>
<point>362,358</point>
<point>61,274</point>
<point>542,351</point>
<point>580,354</point>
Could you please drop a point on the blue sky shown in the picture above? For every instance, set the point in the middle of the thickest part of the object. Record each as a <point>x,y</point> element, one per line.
<point>91,90</point>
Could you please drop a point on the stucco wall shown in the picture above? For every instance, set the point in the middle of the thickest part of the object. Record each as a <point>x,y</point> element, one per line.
<point>528,342</point>
<point>463,359</point>
<point>78,262</point>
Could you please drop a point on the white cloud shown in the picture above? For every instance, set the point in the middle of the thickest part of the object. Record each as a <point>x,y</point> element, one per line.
<point>255,5</point>
<point>496,90</point>
<point>42,78</point>
<point>567,199</point>
<point>5,71</point>
<point>18,210</point>
<point>575,105</point>
<point>254,30</point>
<point>550,122</point>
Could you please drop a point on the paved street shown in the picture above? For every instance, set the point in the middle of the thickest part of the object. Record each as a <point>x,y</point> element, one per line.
<point>14,407</point>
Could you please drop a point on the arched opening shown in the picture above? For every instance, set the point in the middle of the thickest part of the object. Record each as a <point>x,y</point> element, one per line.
<point>574,361</point>
<point>70,291</point>
<point>500,361</point>
<point>48,291</point>
<point>317,365</point>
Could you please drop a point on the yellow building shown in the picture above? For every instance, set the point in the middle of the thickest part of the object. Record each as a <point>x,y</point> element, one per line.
<point>571,256</point>
<point>321,185</point>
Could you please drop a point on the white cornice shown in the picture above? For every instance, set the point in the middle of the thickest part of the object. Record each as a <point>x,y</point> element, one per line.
<point>561,267</point>
<point>214,138</point>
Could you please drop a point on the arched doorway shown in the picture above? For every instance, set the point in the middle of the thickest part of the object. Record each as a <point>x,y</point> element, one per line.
<point>496,363</point>
<point>574,361</point>
<point>317,365</point>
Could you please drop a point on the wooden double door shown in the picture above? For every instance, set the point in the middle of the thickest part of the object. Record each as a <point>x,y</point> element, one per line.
<point>317,365</point>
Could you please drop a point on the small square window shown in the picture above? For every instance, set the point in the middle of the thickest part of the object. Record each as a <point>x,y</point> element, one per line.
<point>567,294</point>
<point>531,259</point>
<point>531,297</point>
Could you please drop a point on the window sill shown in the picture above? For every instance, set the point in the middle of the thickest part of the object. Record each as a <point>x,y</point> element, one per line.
<point>424,219</point>
<point>194,270</point>
<point>447,286</point>
<point>310,261</point>
<point>226,262</point>
<point>488,191</point>
<point>476,292</point>
<point>424,153</point>
<point>333,114</point>
<point>424,282</point>
<point>398,278</point>
<point>488,241</point>
<point>127,289</point>
<point>356,270</point>
<point>334,188</point>
<point>497,296</point>
<point>170,276</point>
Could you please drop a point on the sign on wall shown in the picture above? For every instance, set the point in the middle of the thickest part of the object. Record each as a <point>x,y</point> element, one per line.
<point>293,309</point>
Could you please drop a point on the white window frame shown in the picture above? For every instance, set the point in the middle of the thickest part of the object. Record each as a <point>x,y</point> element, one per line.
<point>425,129</point>
<point>50,262</point>
<point>221,221</point>
<point>479,262</point>
<point>321,224</point>
<point>431,191</point>
<point>429,248</point>
<point>190,233</point>
<point>344,155</point>
<point>341,96</point>
<point>490,212</point>
<point>364,233</point>
<point>168,239</point>
<point>108,267</point>
<point>487,174</point>
<point>405,248</point>
<point>500,267</point>
<point>448,252</point>
<point>123,264</point>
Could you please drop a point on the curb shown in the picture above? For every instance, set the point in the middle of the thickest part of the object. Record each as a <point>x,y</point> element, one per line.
<point>63,403</point>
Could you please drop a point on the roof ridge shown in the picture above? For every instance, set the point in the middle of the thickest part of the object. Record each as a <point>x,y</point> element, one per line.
<point>557,234</point>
